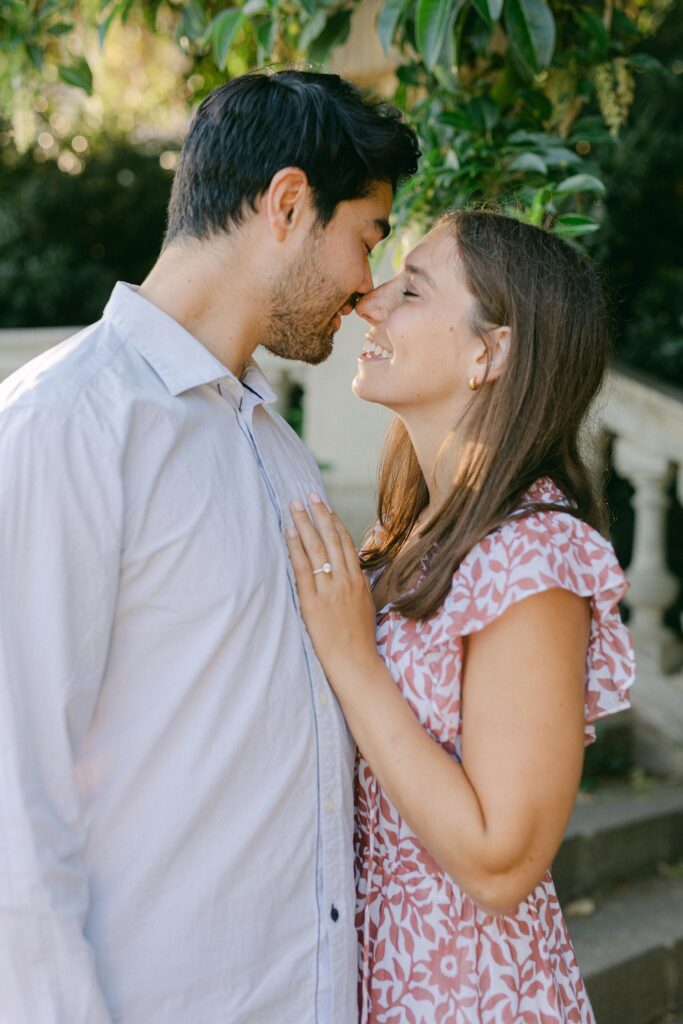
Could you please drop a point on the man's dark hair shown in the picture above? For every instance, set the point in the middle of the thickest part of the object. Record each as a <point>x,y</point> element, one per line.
<point>247,130</point>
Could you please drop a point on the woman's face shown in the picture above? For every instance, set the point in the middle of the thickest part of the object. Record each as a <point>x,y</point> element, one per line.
<point>420,351</point>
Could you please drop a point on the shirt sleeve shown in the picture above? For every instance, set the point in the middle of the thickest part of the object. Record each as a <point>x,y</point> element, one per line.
<point>60,516</point>
<point>544,551</point>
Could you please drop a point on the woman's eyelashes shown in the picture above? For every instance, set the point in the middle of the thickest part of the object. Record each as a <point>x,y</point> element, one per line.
<point>408,293</point>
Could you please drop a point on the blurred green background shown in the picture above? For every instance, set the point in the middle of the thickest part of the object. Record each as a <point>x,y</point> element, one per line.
<point>568,113</point>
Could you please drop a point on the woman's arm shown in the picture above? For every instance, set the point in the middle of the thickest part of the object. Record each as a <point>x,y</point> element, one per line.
<point>495,822</point>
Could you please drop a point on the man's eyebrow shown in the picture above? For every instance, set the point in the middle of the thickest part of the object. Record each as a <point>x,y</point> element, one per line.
<point>411,268</point>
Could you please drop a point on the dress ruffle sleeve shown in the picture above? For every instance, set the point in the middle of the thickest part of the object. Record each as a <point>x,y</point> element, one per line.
<point>544,551</point>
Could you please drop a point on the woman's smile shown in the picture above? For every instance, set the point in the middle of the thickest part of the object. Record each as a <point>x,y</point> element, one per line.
<point>374,351</point>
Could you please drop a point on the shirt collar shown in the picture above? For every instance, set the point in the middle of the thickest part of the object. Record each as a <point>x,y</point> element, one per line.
<point>180,360</point>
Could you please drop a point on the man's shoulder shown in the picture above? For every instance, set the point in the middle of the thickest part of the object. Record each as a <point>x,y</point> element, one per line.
<point>58,378</point>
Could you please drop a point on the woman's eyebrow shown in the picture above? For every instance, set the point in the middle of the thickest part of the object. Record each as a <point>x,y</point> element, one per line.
<point>412,268</point>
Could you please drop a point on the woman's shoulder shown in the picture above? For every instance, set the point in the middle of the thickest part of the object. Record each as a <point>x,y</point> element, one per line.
<point>536,550</point>
<point>533,537</point>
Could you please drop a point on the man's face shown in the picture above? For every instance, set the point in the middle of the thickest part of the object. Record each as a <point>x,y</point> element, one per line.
<point>331,270</point>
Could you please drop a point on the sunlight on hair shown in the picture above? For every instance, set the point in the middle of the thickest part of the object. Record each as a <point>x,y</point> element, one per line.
<point>473,460</point>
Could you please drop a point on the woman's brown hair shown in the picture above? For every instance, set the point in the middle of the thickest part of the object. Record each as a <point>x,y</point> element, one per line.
<point>522,426</point>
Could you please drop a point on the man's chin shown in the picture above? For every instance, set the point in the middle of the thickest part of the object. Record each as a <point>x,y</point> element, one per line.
<point>317,351</point>
<point>321,354</point>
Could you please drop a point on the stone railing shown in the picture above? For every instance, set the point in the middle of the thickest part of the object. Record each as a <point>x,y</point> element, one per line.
<point>644,421</point>
<point>640,420</point>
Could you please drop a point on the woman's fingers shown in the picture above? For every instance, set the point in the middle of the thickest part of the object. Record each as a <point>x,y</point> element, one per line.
<point>348,547</point>
<point>301,564</point>
<point>311,540</point>
<point>322,518</point>
<point>324,539</point>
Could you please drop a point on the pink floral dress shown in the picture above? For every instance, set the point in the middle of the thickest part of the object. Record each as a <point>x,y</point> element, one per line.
<point>428,955</point>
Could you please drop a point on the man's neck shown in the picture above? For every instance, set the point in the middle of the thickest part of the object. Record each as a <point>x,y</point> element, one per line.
<point>206,287</point>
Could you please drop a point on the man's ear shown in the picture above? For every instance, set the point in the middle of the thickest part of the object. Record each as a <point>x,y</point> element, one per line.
<point>287,202</point>
<point>495,352</point>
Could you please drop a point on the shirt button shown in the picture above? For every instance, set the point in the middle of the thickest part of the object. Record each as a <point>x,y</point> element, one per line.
<point>330,806</point>
<point>334,913</point>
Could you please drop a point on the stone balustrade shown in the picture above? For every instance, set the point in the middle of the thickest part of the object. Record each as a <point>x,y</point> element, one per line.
<point>644,421</point>
<point>640,421</point>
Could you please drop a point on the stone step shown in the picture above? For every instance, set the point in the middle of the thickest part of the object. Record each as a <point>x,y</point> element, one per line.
<point>617,834</point>
<point>630,952</point>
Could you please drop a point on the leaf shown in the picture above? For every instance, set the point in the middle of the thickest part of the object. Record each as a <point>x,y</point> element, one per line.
<point>572,225</point>
<point>266,34</point>
<point>530,28</point>
<point>556,156</point>
<point>434,19</point>
<point>105,25</point>
<point>457,119</point>
<point>48,8</point>
<point>335,33</point>
<point>222,32</point>
<point>126,7</point>
<point>537,138</point>
<point>312,29</point>
<point>482,8</point>
<point>490,10</point>
<point>77,74</point>
<point>60,28</point>
<point>581,183</point>
<point>644,62</point>
<point>593,24</point>
<point>536,214</point>
<point>528,162</point>
<point>388,20</point>
<point>194,21</point>
<point>36,54</point>
<point>255,7</point>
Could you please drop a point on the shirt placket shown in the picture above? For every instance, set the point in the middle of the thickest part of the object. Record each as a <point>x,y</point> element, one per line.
<point>334,905</point>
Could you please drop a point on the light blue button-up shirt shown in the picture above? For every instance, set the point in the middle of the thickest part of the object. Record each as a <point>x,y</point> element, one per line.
<point>175,775</point>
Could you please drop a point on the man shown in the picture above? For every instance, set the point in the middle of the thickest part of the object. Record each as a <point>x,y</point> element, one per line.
<point>175,776</point>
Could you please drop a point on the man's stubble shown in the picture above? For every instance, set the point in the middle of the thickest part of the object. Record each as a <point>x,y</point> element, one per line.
<point>303,304</point>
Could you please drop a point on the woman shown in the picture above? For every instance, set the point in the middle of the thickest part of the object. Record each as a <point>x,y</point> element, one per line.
<point>473,671</point>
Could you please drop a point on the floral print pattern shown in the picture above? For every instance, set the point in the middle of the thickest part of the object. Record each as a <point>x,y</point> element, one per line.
<point>428,954</point>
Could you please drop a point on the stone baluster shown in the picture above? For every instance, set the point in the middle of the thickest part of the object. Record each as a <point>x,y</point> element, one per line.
<point>653,586</point>
<point>679,495</point>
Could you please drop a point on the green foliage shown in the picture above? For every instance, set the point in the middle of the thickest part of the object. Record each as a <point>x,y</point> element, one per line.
<point>640,246</point>
<point>78,74</point>
<point>511,98</point>
<point>508,96</point>
<point>524,103</point>
<point>36,33</point>
<point>66,239</point>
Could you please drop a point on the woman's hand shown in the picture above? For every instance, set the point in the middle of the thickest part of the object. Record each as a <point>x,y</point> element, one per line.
<point>336,605</point>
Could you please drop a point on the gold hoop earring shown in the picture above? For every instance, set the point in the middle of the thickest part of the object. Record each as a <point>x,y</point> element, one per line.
<point>474,384</point>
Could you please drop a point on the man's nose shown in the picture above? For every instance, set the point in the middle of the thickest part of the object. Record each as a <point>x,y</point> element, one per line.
<point>375,305</point>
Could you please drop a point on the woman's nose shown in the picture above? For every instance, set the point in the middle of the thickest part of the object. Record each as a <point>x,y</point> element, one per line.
<point>375,305</point>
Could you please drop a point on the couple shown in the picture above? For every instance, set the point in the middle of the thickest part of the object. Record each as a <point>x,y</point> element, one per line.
<point>190,648</point>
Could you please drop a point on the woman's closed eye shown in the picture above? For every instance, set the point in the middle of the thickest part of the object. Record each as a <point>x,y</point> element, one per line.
<point>408,293</point>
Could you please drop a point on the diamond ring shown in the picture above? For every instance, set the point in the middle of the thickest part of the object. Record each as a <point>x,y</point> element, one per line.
<point>326,568</point>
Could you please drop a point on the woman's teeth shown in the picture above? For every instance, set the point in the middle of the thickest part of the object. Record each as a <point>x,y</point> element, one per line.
<point>372,350</point>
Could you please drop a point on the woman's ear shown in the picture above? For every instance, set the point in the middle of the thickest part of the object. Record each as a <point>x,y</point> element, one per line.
<point>287,201</point>
<point>496,352</point>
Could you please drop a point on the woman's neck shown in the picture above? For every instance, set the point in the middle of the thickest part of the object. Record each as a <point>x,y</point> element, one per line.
<point>440,448</point>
